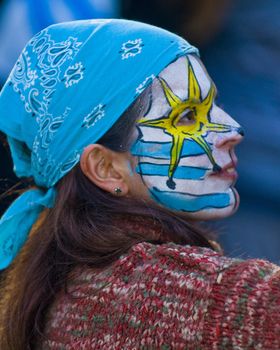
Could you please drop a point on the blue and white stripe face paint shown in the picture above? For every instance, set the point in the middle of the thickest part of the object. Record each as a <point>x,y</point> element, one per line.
<point>185,145</point>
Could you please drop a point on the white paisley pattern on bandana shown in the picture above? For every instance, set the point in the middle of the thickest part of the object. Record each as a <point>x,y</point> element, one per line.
<point>74,74</point>
<point>94,116</point>
<point>52,68</point>
<point>22,73</point>
<point>51,56</point>
<point>131,48</point>
<point>148,81</point>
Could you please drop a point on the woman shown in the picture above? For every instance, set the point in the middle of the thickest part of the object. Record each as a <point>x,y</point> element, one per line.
<point>116,123</point>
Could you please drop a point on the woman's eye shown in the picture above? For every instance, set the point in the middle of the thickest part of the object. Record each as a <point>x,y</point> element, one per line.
<point>187,117</point>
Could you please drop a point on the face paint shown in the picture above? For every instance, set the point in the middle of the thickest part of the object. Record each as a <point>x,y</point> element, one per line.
<point>179,157</point>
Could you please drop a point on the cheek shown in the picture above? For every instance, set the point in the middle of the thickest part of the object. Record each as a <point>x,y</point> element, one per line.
<point>153,151</point>
<point>192,198</point>
<point>196,193</point>
<point>152,143</point>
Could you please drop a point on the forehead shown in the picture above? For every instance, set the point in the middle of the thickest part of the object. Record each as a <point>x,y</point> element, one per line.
<point>176,75</point>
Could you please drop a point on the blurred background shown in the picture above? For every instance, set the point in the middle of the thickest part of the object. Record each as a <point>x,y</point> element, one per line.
<point>239,41</point>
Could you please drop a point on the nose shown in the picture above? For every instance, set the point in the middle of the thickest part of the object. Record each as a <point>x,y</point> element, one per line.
<point>231,138</point>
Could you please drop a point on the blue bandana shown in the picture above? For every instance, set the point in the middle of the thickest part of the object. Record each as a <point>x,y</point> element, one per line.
<point>69,86</point>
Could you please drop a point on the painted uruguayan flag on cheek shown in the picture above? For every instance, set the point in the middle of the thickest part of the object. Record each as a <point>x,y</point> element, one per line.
<point>175,145</point>
<point>191,194</point>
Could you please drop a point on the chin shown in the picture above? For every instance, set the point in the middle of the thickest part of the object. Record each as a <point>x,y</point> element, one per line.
<point>217,213</point>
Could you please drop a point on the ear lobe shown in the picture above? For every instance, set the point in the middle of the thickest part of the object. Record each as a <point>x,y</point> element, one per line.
<point>99,164</point>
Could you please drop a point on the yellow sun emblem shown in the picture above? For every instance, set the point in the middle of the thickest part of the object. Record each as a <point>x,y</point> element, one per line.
<point>196,130</point>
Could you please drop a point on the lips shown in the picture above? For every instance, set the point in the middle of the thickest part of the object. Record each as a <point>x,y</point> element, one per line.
<point>227,172</point>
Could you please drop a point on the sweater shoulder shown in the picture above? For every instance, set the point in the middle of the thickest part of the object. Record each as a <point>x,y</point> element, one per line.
<point>169,295</point>
<point>170,268</point>
<point>192,258</point>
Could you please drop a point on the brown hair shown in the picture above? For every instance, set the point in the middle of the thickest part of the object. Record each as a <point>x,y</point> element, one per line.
<point>83,228</point>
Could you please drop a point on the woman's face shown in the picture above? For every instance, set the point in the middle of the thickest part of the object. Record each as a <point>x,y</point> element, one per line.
<point>185,146</point>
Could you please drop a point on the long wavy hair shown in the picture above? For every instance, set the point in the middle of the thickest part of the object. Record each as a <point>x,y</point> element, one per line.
<point>83,228</point>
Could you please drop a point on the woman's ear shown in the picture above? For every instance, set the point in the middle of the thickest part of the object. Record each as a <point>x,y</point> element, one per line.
<point>105,168</point>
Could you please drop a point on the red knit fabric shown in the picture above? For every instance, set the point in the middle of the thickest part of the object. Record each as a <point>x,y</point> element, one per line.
<point>169,297</point>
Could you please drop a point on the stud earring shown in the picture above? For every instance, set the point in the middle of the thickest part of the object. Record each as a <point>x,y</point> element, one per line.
<point>117,190</point>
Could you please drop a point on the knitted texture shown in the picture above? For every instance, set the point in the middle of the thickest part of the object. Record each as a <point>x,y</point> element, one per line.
<point>169,297</point>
